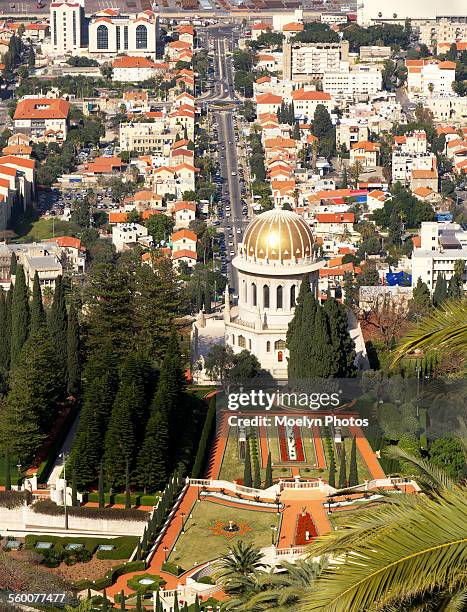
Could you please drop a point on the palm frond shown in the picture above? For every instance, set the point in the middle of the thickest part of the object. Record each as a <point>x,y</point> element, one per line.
<point>445,328</point>
<point>424,547</point>
<point>427,471</point>
<point>457,602</point>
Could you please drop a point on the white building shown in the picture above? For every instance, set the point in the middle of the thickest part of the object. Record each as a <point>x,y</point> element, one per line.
<point>127,235</point>
<point>276,252</point>
<point>448,108</point>
<point>317,58</point>
<point>349,82</point>
<point>66,20</point>
<point>111,33</point>
<point>374,11</point>
<point>442,31</point>
<point>428,77</point>
<point>305,102</point>
<point>42,118</point>
<point>441,245</point>
<point>404,163</point>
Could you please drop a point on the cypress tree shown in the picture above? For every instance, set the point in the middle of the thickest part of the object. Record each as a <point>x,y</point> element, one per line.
<point>421,294</point>
<point>204,439</point>
<point>100,487</point>
<point>139,607</point>
<point>319,358</point>
<point>127,485</point>
<point>440,292</point>
<point>176,606</point>
<point>105,602</point>
<point>19,316</point>
<point>73,353</point>
<point>7,471</point>
<point>185,607</point>
<point>247,466</point>
<point>4,334</point>
<point>342,469</point>
<point>152,458</point>
<point>332,472</point>
<point>197,607</point>
<point>74,490</point>
<point>58,322</point>
<point>268,476</point>
<point>353,472</point>
<point>343,347</point>
<point>38,317</point>
<point>256,472</point>
<point>122,600</point>
<point>13,264</point>
<point>158,602</point>
<point>35,388</point>
<point>455,287</point>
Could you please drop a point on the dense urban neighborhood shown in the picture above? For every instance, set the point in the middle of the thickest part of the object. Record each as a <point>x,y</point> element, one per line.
<point>233,313</point>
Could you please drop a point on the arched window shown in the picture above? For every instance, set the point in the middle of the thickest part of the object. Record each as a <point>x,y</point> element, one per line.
<point>265,296</point>
<point>253,294</point>
<point>141,37</point>
<point>292,296</point>
<point>268,347</point>
<point>102,37</point>
<point>241,341</point>
<point>279,296</point>
<point>280,344</point>
<point>280,356</point>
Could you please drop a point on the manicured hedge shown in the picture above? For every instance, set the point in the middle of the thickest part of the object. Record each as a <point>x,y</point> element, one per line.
<point>172,568</point>
<point>124,545</point>
<point>111,576</point>
<point>119,498</point>
<point>135,585</point>
<point>51,508</point>
<point>206,434</point>
<point>13,499</point>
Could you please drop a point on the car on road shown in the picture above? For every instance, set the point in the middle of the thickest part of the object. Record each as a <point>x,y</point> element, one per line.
<point>232,253</point>
<point>234,173</point>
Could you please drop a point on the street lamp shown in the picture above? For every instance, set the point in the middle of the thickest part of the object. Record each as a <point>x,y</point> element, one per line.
<point>165,549</point>
<point>278,502</point>
<point>183,521</point>
<point>329,506</point>
<point>63,455</point>
<point>273,534</point>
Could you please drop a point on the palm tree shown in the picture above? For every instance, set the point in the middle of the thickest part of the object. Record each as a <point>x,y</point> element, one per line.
<point>407,553</point>
<point>283,589</point>
<point>237,568</point>
<point>444,329</point>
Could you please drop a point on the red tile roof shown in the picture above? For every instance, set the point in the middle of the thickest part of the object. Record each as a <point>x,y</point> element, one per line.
<point>302,94</point>
<point>184,233</point>
<point>132,62</point>
<point>42,108</point>
<point>335,218</point>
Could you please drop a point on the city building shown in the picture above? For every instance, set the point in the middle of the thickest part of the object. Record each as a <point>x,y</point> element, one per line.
<point>427,76</point>
<point>133,69</point>
<point>365,152</point>
<point>305,102</point>
<point>448,108</point>
<point>351,130</point>
<point>308,59</point>
<point>433,33</point>
<point>128,235</point>
<point>441,245</point>
<point>42,118</point>
<point>374,53</point>
<point>370,12</point>
<point>275,254</point>
<point>66,23</point>
<point>147,138</point>
<point>353,81</point>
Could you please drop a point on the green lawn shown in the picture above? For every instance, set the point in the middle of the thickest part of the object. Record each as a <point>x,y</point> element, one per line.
<point>232,465</point>
<point>199,543</point>
<point>30,229</point>
<point>13,470</point>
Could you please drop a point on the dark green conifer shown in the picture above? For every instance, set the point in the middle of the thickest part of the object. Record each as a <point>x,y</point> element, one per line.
<point>73,353</point>
<point>268,476</point>
<point>19,316</point>
<point>38,317</point>
<point>440,293</point>
<point>247,481</point>
<point>353,471</point>
<point>343,469</point>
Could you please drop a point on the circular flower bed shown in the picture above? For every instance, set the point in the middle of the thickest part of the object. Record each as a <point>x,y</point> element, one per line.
<point>145,582</point>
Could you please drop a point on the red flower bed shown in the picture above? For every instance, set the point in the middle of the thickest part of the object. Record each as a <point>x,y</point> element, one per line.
<point>305,523</point>
<point>283,443</point>
<point>298,443</point>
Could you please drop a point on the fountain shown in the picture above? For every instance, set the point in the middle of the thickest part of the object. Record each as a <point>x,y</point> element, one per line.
<point>231,527</point>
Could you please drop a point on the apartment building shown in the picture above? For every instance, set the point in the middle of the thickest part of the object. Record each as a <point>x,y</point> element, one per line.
<point>306,59</point>
<point>442,30</point>
<point>305,102</point>
<point>66,23</point>
<point>127,235</point>
<point>353,81</point>
<point>133,69</point>
<point>448,108</point>
<point>427,77</point>
<point>404,163</point>
<point>365,152</point>
<point>441,245</point>
<point>374,53</point>
<point>42,118</point>
<point>351,130</point>
<point>147,138</point>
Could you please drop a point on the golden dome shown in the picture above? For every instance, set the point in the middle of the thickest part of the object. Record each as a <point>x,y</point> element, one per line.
<point>278,235</point>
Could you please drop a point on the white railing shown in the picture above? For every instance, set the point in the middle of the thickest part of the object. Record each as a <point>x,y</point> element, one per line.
<point>293,551</point>
<point>303,484</point>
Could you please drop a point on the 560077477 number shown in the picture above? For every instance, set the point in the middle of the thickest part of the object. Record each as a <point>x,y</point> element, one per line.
<point>38,598</point>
